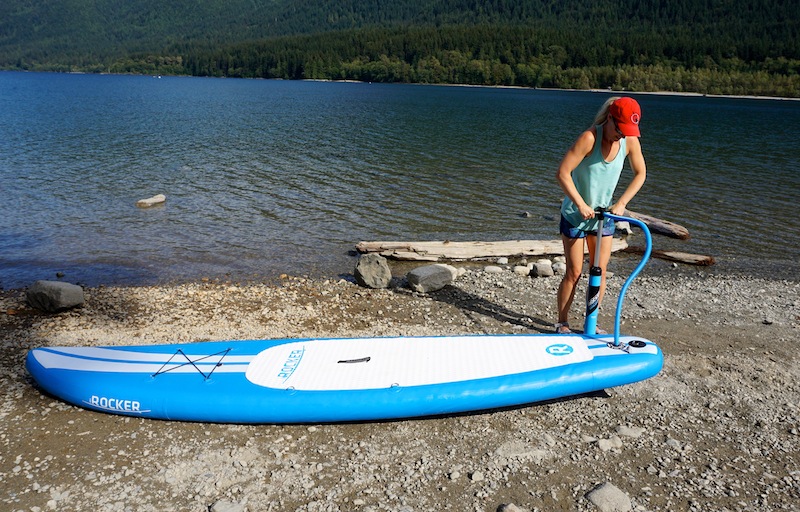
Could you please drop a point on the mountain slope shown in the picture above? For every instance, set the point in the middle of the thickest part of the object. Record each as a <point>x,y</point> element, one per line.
<point>576,43</point>
<point>101,29</point>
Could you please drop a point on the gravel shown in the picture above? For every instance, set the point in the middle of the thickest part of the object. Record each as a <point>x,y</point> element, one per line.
<point>717,429</point>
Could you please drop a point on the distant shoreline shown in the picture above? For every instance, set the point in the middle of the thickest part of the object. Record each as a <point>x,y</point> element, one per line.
<point>605,91</point>
<point>622,93</point>
<point>602,91</point>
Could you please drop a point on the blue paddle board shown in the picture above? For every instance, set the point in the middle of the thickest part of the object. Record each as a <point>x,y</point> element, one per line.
<point>338,380</point>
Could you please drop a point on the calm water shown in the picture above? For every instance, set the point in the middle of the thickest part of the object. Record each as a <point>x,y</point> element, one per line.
<point>266,177</point>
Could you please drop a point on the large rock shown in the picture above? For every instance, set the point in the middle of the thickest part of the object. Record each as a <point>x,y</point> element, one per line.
<point>372,271</point>
<point>542,268</point>
<point>560,265</point>
<point>52,296</point>
<point>609,498</point>
<point>430,278</point>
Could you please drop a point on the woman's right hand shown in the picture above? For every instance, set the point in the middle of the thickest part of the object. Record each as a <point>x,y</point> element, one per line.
<point>587,212</point>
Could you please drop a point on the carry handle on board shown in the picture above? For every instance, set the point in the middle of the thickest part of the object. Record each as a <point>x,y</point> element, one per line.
<point>595,274</point>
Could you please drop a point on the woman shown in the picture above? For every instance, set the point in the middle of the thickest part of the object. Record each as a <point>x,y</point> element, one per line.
<point>588,174</point>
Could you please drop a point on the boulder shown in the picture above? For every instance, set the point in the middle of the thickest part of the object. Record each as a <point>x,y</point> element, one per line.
<point>430,278</point>
<point>522,270</point>
<point>609,498</point>
<point>52,296</point>
<point>560,265</point>
<point>372,271</point>
<point>542,269</point>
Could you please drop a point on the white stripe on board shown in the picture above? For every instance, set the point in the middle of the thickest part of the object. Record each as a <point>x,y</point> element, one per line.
<point>122,355</point>
<point>56,361</point>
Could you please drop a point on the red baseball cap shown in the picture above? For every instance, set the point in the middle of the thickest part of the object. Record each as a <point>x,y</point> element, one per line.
<point>626,114</point>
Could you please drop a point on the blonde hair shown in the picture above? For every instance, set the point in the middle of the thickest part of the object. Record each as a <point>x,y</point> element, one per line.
<point>602,114</point>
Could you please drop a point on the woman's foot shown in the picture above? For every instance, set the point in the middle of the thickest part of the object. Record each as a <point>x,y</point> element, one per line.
<point>562,328</point>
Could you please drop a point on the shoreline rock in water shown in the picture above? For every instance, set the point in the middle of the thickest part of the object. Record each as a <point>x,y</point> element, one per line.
<point>54,296</point>
<point>156,200</point>
<point>717,429</point>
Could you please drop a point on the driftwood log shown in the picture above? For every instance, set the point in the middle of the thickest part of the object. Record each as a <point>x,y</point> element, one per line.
<point>680,257</point>
<point>661,227</point>
<point>464,251</point>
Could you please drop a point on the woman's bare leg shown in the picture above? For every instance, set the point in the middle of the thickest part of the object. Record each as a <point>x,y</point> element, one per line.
<point>573,252</point>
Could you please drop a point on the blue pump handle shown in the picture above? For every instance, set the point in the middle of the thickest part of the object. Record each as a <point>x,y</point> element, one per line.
<point>648,249</point>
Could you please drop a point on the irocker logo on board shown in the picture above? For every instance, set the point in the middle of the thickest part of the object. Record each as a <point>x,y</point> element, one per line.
<point>291,363</point>
<point>561,349</point>
<point>115,404</point>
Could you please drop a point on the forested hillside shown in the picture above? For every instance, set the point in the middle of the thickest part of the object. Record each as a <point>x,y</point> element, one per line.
<point>708,46</point>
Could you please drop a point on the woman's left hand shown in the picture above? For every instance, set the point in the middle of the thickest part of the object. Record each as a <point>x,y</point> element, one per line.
<point>618,209</point>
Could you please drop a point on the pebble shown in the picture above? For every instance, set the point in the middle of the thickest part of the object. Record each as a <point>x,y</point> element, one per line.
<point>509,507</point>
<point>613,443</point>
<point>626,431</point>
<point>227,506</point>
<point>476,476</point>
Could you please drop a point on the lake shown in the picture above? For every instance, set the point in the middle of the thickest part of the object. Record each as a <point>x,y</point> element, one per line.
<point>269,177</point>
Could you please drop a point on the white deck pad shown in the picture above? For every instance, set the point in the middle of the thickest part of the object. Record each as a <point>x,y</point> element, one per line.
<point>350,364</point>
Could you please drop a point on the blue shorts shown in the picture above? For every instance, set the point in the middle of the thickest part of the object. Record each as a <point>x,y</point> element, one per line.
<point>570,231</point>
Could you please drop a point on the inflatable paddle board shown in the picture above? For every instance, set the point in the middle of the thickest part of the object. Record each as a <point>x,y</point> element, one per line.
<point>337,380</point>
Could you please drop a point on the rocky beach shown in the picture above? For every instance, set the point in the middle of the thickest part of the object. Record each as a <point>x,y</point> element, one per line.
<point>717,430</point>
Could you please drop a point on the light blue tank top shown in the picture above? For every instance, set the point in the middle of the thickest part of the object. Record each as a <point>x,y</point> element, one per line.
<point>596,181</point>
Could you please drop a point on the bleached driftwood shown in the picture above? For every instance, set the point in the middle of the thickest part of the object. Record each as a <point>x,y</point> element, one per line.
<point>463,251</point>
<point>679,257</point>
<point>660,226</point>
